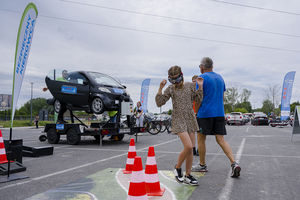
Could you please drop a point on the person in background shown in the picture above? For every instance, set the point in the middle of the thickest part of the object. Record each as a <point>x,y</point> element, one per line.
<point>138,111</point>
<point>64,76</point>
<point>184,122</point>
<point>36,121</point>
<point>112,116</point>
<point>195,152</point>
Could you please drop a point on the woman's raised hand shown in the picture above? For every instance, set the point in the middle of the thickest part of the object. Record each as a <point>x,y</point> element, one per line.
<point>199,81</point>
<point>163,83</point>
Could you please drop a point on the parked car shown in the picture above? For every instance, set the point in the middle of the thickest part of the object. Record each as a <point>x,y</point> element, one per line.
<point>246,119</point>
<point>92,92</point>
<point>259,120</point>
<point>235,118</point>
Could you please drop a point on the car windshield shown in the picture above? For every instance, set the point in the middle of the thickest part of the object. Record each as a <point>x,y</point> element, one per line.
<point>103,79</point>
<point>235,113</point>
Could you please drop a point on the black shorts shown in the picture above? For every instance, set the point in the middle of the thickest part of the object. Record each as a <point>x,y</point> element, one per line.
<point>212,125</point>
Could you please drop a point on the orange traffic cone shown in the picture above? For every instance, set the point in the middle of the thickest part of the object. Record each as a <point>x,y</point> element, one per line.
<point>130,157</point>
<point>151,175</point>
<point>3,158</point>
<point>137,187</point>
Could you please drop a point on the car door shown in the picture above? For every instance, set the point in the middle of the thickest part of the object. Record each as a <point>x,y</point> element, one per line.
<point>77,89</point>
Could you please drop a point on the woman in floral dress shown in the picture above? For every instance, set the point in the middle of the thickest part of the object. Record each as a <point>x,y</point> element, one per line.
<point>184,122</point>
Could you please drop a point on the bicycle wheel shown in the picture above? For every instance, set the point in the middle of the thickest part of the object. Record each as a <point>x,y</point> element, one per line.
<point>154,128</point>
<point>163,127</point>
<point>169,127</point>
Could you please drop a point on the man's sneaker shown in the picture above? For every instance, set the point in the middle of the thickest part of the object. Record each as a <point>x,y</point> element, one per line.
<point>199,168</point>
<point>178,175</point>
<point>236,169</point>
<point>190,180</point>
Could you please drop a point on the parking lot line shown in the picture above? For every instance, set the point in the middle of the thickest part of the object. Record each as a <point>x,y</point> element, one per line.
<point>226,191</point>
<point>222,154</point>
<point>80,166</point>
<point>90,149</point>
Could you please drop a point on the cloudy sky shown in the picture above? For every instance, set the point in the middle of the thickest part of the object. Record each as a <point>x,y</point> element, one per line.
<point>137,39</point>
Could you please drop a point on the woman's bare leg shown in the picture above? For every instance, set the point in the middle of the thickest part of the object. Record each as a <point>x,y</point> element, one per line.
<point>189,156</point>
<point>187,150</point>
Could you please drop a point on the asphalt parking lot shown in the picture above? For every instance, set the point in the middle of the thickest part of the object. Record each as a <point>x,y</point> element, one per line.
<point>269,160</point>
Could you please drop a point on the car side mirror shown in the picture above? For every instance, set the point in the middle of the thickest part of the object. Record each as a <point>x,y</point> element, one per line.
<point>124,86</point>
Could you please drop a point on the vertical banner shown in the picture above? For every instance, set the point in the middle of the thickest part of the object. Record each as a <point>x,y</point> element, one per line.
<point>144,94</point>
<point>287,94</point>
<point>24,39</point>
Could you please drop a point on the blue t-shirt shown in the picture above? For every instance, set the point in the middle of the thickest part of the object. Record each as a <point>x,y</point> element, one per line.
<point>213,90</point>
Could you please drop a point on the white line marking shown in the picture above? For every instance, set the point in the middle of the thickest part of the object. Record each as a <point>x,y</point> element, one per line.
<point>171,192</point>
<point>226,191</point>
<point>161,173</point>
<point>247,129</point>
<point>75,191</point>
<point>89,149</point>
<point>116,176</point>
<point>78,167</point>
<point>222,154</point>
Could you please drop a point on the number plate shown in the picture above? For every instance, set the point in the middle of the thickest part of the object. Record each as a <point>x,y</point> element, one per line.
<point>124,130</point>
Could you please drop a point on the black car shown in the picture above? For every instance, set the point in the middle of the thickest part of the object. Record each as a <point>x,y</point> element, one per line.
<point>260,120</point>
<point>92,92</point>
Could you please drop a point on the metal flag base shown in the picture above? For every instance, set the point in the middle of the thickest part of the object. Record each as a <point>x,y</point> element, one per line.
<point>12,177</point>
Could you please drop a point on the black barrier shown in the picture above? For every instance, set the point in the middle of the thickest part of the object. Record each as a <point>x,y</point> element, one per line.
<point>296,125</point>
<point>14,153</point>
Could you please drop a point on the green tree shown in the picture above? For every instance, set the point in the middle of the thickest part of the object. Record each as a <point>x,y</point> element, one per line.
<point>37,105</point>
<point>268,106</point>
<point>244,97</point>
<point>170,112</point>
<point>242,110</point>
<point>246,105</point>
<point>293,105</point>
<point>231,96</point>
<point>228,108</point>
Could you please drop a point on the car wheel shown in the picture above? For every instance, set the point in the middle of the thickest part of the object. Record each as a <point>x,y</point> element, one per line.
<point>57,106</point>
<point>73,136</point>
<point>52,136</point>
<point>97,105</point>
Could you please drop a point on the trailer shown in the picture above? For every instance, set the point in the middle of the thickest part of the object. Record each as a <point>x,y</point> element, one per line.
<point>98,130</point>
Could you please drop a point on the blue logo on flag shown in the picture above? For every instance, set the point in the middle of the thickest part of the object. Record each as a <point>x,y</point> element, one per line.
<point>69,89</point>
<point>60,126</point>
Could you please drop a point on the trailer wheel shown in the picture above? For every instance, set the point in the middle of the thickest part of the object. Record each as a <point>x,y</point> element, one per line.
<point>73,136</point>
<point>52,136</point>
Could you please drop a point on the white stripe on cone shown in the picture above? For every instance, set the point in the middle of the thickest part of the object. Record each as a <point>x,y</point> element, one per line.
<point>137,198</point>
<point>137,177</point>
<point>151,178</point>
<point>131,149</point>
<point>2,151</point>
<point>1,139</point>
<point>130,161</point>
<point>151,160</point>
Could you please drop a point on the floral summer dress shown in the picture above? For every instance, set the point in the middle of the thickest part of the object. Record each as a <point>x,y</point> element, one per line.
<point>183,116</point>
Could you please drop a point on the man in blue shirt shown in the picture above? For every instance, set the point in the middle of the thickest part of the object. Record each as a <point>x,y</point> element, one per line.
<point>211,116</point>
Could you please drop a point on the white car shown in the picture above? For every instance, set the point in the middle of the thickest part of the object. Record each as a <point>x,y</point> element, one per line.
<point>235,118</point>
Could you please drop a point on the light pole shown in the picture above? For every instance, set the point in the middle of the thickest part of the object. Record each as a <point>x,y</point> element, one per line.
<point>31,102</point>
